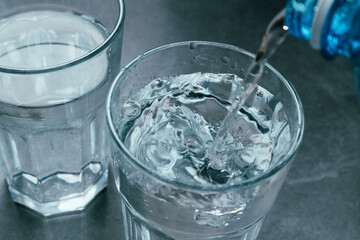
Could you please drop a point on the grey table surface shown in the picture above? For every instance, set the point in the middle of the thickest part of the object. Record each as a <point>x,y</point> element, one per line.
<point>320,198</point>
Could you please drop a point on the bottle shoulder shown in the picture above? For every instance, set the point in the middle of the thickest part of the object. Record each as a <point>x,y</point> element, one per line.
<point>299,17</point>
<point>333,26</point>
<point>341,33</point>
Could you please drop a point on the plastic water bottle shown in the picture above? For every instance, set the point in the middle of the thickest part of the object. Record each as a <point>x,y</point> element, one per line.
<point>332,26</point>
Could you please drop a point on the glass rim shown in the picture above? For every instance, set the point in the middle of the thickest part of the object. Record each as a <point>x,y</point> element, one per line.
<point>218,187</point>
<point>93,53</point>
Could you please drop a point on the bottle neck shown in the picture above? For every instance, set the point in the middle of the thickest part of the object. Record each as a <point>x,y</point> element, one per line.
<point>330,25</point>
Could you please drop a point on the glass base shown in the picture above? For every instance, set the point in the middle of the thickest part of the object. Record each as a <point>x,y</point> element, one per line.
<point>72,204</point>
<point>137,228</point>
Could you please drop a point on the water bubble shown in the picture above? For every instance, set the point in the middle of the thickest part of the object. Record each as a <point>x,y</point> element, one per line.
<point>219,216</point>
<point>193,45</point>
<point>180,113</point>
<point>131,109</point>
<point>197,88</point>
<point>179,135</point>
<point>192,143</point>
<point>260,94</point>
<point>214,175</point>
<point>157,153</point>
<point>157,83</point>
<point>164,145</point>
<point>234,65</point>
<point>195,58</point>
<point>225,60</point>
<point>228,79</point>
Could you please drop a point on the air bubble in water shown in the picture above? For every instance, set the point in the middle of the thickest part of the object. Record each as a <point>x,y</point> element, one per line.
<point>225,60</point>
<point>157,84</point>
<point>192,143</point>
<point>228,79</point>
<point>131,109</point>
<point>192,45</point>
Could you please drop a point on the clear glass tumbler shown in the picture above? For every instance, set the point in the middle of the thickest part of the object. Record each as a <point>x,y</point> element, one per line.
<point>58,59</point>
<point>157,207</point>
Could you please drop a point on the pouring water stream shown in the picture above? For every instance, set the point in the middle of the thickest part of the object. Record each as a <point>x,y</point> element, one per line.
<point>274,36</point>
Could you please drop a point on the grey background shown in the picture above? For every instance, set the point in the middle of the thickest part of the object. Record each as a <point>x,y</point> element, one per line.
<point>320,198</point>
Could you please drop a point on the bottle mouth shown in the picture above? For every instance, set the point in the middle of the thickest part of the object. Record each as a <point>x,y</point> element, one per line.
<point>321,11</point>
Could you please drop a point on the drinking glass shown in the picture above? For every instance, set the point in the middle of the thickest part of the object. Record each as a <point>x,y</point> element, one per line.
<point>58,59</point>
<point>156,207</point>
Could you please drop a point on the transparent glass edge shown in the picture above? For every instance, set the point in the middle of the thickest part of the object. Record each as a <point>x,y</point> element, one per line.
<point>97,51</point>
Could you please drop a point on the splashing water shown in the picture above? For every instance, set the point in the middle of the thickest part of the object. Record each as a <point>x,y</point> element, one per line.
<point>196,130</point>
